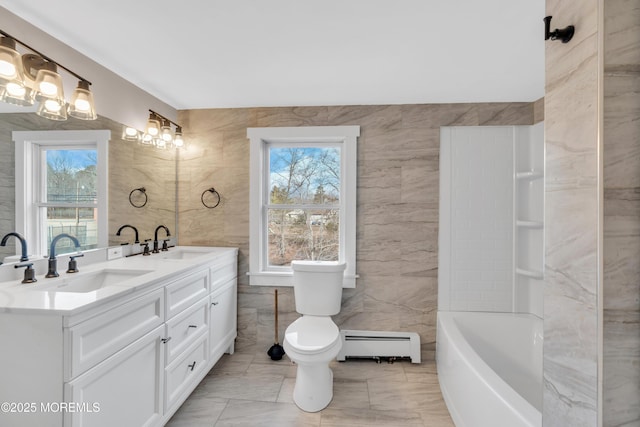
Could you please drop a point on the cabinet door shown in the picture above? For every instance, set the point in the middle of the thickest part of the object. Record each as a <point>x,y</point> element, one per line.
<point>124,390</point>
<point>223,320</point>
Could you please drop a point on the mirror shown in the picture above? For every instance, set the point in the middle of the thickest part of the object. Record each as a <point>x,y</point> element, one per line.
<point>131,166</point>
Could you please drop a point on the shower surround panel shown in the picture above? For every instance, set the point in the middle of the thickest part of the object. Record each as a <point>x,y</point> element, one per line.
<point>481,219</point>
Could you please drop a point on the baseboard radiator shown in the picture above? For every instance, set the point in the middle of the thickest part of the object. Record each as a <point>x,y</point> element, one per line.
<point>379,344</point>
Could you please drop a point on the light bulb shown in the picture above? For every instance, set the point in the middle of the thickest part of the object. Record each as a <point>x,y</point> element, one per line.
<point>52,105</point>
<point>7,69</point>
<point>82,105</point>
<point>48,89</point>
<point>153,125</point>
<point>177,140</point>
<point>15,89</point>
<point>10,61</point>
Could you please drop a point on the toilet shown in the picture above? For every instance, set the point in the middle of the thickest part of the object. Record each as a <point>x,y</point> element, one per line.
<point>313,340</point>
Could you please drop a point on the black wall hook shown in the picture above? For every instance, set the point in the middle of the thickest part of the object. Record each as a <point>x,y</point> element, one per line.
<point>564,34</point>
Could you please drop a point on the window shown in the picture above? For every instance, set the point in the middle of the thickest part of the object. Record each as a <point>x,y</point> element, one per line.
<point>303,200</point>
<point>62,188</point>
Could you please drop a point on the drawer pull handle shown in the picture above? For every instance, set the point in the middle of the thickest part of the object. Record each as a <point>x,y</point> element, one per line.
<point>193,365</point>
<point>193,326</point>
<point>166,340</point>
<point>215,303</point>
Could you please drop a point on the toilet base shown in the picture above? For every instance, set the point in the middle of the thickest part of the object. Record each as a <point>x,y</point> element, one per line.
<point>313,390</point>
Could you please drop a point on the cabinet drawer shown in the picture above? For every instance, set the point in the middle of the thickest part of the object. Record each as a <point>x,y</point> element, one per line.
<point>222,273</point>
<point>182,376</point>
<point>97,338</point>
<point>185,292</point>
<point>185,328</point>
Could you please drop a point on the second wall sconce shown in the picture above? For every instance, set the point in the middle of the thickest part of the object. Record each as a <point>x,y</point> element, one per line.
<point>158,133</point>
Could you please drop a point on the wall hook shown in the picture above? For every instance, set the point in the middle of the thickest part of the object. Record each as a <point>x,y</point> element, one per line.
<point>564,34</point>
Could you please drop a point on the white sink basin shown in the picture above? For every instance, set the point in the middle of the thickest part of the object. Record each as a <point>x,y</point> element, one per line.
<point>181,254</point>
<point>91,281</point>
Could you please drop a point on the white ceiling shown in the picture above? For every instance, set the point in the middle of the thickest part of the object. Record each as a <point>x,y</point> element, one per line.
<point>247,53</point>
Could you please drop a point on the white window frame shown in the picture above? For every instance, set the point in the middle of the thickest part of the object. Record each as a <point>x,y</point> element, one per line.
<point>29,181</point>
<point>260,140</point>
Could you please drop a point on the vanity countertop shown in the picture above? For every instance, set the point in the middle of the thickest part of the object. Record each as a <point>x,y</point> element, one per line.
<point>100,282</point>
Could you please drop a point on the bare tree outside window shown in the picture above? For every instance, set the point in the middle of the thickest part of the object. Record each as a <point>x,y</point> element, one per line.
<point>303,209</point>
<point>71,184</point>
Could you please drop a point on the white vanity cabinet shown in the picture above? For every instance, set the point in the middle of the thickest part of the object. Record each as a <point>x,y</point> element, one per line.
<point>129,361</point>
<point>223,319</point>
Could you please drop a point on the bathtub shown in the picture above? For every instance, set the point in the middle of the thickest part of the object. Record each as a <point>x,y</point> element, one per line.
<point>490,368</point>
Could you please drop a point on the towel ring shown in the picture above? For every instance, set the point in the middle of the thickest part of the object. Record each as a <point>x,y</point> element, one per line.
<point>213,191</point>
<point>143,191</point>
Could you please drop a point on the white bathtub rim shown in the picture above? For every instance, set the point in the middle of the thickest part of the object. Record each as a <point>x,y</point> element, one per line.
<point>526,411</point>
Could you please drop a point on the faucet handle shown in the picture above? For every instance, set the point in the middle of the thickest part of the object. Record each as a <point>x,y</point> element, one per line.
<point>73,264</point>
<point>165,247</point>
<point>146,252</point>
<point>29,273</point>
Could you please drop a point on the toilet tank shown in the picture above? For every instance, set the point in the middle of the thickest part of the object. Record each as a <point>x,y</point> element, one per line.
<point>317,286</point>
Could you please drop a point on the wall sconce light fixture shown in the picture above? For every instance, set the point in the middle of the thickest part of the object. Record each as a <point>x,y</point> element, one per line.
<point>564,34</point>
<point>158,133</point>
<point>33,77</point>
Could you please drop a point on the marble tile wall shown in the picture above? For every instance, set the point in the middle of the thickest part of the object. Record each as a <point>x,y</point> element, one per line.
<point>397,219</point>
<point>576,305</point>
<point>130,166</point>
<point>570,395</point>
<point>7,183</point>
<point>621,175</point>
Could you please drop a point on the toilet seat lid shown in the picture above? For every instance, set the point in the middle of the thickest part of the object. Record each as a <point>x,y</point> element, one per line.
<point>312,334</point>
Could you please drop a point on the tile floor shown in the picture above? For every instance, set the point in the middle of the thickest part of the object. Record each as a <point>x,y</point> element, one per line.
<point>249,389</point>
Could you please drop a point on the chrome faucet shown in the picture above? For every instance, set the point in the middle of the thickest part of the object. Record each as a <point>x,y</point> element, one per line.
<point>23,242</point>
<point>131,227</point>
<point>155,239</point>
<point>53,262</point>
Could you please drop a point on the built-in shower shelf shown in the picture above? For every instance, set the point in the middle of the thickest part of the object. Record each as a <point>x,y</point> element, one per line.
<point>529,175</point>
<point>529,273</point>
<point>529,224</point>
